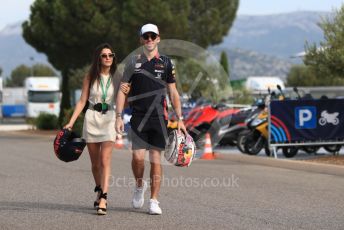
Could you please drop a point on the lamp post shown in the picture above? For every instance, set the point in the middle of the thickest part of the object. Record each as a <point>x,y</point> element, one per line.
<point>32,59</point>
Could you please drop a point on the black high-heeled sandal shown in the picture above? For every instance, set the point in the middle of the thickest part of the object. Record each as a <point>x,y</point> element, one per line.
<point>98,190</point>
<point>102,211</point>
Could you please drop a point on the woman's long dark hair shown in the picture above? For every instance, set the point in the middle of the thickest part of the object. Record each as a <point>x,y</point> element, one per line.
<point>94,72</point>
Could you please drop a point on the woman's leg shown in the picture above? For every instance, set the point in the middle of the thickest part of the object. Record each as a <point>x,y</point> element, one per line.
<point>94,151</point>
<point>105,164</point>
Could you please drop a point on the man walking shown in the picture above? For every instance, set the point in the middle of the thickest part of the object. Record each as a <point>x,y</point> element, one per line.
<point>151,76</point>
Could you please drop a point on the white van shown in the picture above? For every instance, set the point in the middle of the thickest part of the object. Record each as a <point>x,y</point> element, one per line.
<point>43,95</point>
<point>262,83</point>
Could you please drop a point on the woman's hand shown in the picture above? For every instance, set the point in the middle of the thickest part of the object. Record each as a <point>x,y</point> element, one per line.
<point>125,87</point>
<point>68,126</point>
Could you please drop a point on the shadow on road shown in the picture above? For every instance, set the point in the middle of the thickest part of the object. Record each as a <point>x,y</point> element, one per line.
<point>41,206</point>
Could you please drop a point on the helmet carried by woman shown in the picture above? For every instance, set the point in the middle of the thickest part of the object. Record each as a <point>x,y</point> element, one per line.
<point>68,146</point>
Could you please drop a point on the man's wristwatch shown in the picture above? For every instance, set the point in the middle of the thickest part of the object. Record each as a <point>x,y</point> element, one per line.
<point>180,118</point>
<point>118,115</point>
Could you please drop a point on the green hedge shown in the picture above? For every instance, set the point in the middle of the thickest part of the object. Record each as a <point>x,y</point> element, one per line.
<point>46,121</point>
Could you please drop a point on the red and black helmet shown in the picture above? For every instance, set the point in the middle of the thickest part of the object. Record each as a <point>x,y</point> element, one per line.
<point>68,146</point>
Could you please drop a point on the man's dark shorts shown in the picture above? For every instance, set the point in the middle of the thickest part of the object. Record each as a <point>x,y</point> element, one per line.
<point>152,135</point>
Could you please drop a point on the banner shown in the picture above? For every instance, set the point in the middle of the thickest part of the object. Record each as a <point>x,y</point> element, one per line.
<point>298,121</point>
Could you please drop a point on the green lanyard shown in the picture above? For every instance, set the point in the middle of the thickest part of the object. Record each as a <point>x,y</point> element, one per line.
<point>104,91</point>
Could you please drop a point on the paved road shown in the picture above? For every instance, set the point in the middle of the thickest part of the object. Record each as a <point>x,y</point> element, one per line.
<point>37,191</point>
<point>301,155</point>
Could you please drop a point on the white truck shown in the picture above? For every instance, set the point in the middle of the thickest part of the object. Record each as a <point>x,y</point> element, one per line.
<point>13,102</point>
<point>43,95</point>
<point>262,83</point>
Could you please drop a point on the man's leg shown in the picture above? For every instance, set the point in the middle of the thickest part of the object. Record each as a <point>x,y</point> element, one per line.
<point>155,175</point>
<point>138,168</point>
<point>158,140</point>
<point>155,172</point>
<point>138,165</point>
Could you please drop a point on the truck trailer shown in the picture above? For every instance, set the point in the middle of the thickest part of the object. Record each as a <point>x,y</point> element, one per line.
<point>43,95</point>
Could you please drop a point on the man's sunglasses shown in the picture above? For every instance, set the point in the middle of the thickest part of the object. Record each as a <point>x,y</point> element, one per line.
<point>146,36</point>
<point>111,55</point>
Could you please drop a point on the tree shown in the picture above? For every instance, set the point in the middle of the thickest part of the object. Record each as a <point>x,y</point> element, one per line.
<point>0,71</point>
<point>242,96</point>
<point>209,20</point>
<point>224,62</point>
<point>201,78</point>
<point>77,77</point>
<point>41,70</point>
<point>327,59</point>
<point>21,72</point>
<point>18,76</point>
<point>301,75</point>
<point>68,30</point>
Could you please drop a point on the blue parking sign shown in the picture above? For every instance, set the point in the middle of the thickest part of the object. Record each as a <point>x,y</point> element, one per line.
<point>306,117</point>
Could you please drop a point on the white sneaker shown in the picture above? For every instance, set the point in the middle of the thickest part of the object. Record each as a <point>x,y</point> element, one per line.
<point>138,197</point>
<point>154,208</point>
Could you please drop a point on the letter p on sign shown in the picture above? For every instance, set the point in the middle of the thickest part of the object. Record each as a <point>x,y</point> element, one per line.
<point>305,117</point>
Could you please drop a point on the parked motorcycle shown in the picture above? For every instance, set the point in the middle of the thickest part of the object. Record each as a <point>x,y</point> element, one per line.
<point>202,122</point>
<point>226,129</point>
<point>257,139</point>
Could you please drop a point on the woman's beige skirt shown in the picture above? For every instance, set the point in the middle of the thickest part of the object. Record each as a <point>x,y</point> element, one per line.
<point>99,127</point>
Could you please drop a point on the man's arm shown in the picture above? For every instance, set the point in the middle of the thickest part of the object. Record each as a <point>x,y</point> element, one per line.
<point>120,101</point>
<point>122,94</point>
<point>175,100</point>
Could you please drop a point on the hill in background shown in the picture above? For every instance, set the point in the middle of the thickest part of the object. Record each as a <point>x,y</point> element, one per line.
<point>263,45</point>
<point>280,35</point>
<point>256,45</point>
<point>15,51</point>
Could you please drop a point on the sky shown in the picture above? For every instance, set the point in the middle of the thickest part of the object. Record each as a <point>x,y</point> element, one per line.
<point>262,7</point>
<point>18,10</point>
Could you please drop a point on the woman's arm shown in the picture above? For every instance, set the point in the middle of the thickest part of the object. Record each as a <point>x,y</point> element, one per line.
<point>81,103</point>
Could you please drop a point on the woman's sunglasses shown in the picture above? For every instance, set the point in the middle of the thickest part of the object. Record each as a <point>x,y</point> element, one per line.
<point>146,36</point>
<point>111,55</point>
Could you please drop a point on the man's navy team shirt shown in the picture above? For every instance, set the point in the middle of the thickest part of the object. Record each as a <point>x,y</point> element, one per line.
<point>149,81</point>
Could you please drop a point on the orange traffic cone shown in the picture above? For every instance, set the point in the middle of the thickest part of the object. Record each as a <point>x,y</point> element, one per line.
<point>119,142</point>
<point>208,153</point>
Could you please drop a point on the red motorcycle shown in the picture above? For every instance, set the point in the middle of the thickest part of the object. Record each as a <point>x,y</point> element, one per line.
<point>200,121</point>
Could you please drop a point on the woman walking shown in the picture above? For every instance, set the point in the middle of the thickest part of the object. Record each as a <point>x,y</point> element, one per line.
<point>99,124</point>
